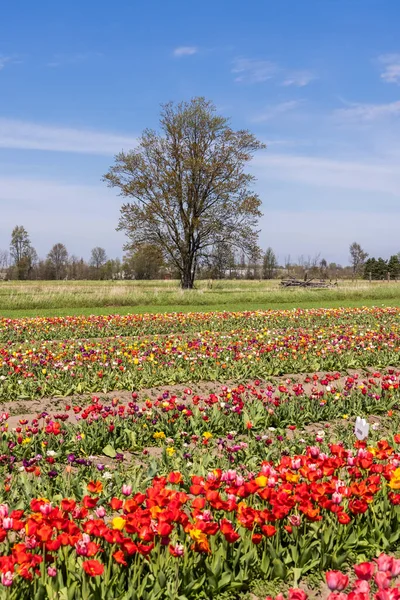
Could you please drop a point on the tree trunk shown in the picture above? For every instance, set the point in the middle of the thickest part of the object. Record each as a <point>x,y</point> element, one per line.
<point>187,280</point>
<point>188,274</point>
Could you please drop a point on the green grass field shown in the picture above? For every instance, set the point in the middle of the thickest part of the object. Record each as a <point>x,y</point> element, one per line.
<point>32,298</point>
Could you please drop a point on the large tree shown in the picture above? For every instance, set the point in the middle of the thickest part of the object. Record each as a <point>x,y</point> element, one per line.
<point>58,259</point>
<point>187,188</point>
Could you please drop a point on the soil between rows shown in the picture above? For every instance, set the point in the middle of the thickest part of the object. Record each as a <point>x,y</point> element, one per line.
<point>29,409</point>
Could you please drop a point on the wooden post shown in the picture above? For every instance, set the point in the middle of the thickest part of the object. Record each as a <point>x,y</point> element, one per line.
<point>388,277</point>
<point>370,276</point>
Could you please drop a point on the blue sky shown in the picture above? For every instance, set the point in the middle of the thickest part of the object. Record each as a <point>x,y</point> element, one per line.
<point>317,80</point>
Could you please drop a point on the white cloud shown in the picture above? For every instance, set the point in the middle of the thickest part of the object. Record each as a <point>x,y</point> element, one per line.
<point>81,216</point>
<point>391,67</point>
<point>253,71</point>
<point>369,112</point>
<point>4,60</point>
<point>274,111</point>
<point>35,136</point>
<point>381,177</point>
<point>250,70</point>
<point>185,51</point>
<point>298,78</point>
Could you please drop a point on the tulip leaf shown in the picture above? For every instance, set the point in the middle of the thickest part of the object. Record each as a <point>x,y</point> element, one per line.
<point>109,451</point>
<point>161,579</point>
<point>279,568</point>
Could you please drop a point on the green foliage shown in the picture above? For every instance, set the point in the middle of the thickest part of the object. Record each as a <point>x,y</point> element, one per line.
<point>22,253</point>
<point>357,258</point>
<point>375,268</point>
<point>381,268</point>
<point>58,261</point>
<point>393,266</point>
<point>270,264</point>
<point>146,262</point>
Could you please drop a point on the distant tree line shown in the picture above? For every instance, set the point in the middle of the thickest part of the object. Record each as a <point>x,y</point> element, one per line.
<point>21,262</point>
<point>147,261</point>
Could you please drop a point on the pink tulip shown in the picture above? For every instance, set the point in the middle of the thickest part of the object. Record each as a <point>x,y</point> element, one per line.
<point>295,520</point>
<point>395,569</point>
<point>100,512</point>
<point>384,595</point>
<point>8,523</point>
<point>361,587</point>
<point>336,580</point>
<point>336,498</point>
<point>179,549</point>
<point>126,490</point>
<point>46,509</point>
<point>51,571</point>
<point>7,578</point>
<point>384,562</point>
<point>382,579</point>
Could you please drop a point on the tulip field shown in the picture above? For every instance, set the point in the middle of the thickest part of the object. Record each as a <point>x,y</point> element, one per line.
<point>201,456</point>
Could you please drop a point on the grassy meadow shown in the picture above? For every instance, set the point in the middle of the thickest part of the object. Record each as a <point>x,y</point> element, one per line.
<point>58,298</point>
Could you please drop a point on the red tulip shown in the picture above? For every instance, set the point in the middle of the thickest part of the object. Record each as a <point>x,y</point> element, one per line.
<point>93,567</point>
<point>297,594</point>
<point>95,487</point>
<point>343,518</point>
<point>119,557</point>
<point>89,502</point>
<point>364,570</point>
<point>175,477</point>
<point>268,530</point>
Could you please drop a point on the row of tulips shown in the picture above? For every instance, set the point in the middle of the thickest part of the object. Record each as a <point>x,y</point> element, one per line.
<point>224,420</point>
<point>50,368</point>
<point>46,328</point>
<point>201,535</point>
